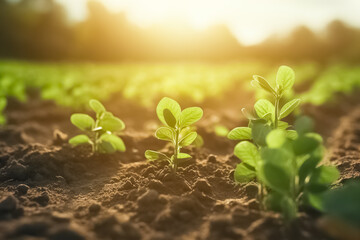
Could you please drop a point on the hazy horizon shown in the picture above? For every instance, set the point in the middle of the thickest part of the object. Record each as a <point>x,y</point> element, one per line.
<point>251,22</point>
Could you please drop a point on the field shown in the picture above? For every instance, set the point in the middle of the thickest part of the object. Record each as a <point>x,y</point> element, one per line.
<point>50,189</point>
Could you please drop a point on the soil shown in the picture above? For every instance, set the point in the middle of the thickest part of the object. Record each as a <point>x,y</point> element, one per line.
<point>50,190</point>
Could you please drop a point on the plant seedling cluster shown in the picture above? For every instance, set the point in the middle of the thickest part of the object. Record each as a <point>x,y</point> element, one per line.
<point>101,133</point>
<point>284,162</point>
<point>177,130</point>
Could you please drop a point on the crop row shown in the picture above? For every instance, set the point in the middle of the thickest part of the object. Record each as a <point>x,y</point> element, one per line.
<point>286,165</point>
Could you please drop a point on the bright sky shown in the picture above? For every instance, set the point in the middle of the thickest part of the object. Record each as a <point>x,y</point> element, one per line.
<point>251,21</point>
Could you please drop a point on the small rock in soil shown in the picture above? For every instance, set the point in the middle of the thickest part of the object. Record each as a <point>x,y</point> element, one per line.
<point>8,204</point>
<point>212,158</point>
<point>59,137</point>
<point>33,228</point>
<point>61,217</point>
<point>251,190</point>
<point>203,186</point>
<point>66,233</point>
<point>17,171</point>
<point>94,208</point>
<point>42,199</point>
<point>22,189</point>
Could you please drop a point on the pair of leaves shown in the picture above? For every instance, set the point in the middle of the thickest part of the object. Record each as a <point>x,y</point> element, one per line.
<point>106,120</point>
<point>154,155</point>
<point>107,143</point>
<point>285,79</point>
<point>168,134</point>
<point>169,112</point>
<point>266,110</point>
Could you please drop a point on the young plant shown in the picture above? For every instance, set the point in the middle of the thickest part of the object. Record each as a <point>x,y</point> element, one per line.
<point>291,170</point>
<point>101,133</point>
<point>177,130</point>
<point>283,162</point>
<point>267,117</point>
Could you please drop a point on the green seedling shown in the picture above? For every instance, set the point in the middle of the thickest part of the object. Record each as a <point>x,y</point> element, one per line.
<point>283,162</point>
<point>292,172</point>
<point>267,117</point>
<point>177,129</point>
<point>101,133</point>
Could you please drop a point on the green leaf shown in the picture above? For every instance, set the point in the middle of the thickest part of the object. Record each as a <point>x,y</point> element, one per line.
<point>291,134</point>
<point>262,83</point>
<point>165,133</point>
<point>172,105</point>
<point>154,155</point>
<point>3,103</point>
<point>79,139</point>
<point>304,125</point>
<point>276,138</point>
<point>188,139</point>
<point>282,125</point>
<point>82,121</point>
<point>221,131</point>
<point>343,204</point>
<point>190,116</point>
<point>169,118</point>
<point>277,156</point>
<point>276,177</point>
<point>325,175</point>
<point>111,123</point>
<point>116,142</point>
<point>97,107</point>
<point>248,115</point>
<point>285,78</point>
<point>243,174</point>
<point>240,133</point>
<point>305,145</point>
<point>289,107</point>
<point>247,152</point>
<point>263,107</point>
<point>198,142</point>
<point>183,156</point>
<point>308,167</point>
<point>259,131</point>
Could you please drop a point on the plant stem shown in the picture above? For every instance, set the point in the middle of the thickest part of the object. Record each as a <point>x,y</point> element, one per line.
<point>95,146</point>
<point>277,102</point>
<point>176,150</point>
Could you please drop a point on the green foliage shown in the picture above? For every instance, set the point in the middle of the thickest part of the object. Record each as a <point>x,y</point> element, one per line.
<point>101,133</point>
<point>177,130</point>
<point>343,203</point>
<point>10,88</point>
<point>285,163</point>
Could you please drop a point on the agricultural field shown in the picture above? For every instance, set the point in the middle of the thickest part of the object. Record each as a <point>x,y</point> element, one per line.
<point>237,150</point>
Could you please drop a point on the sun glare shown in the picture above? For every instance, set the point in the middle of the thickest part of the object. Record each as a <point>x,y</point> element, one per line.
<point>249,21</point>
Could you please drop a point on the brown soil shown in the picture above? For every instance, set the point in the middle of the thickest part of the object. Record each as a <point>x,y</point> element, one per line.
<point>49,190</point>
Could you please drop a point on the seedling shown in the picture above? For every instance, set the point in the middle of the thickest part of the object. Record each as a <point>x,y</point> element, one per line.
<point>290,170</point>
<point>284,162</point>
<point>101,133</point>
<point>177,130</point>
<point>267,117</point>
